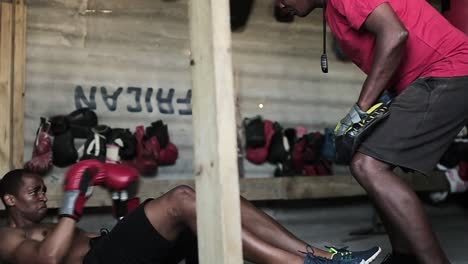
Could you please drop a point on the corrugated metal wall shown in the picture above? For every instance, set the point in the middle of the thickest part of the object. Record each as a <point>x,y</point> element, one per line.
<point>129,59</point>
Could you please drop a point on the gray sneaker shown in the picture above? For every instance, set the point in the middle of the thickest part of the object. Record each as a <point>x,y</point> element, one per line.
<point>361,257</point>
<point>342,256</point>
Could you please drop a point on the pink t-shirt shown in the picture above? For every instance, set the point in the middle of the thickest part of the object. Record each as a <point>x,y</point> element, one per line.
<point>434,48</point>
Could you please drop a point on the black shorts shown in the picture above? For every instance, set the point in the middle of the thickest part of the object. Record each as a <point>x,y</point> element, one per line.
<point>423,122</point>
<point>134,240</point>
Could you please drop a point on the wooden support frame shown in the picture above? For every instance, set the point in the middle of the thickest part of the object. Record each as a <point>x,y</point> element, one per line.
<point>6,102</point>
<point>215,140</point>
<point>12,81</point>
<point>19,77</point>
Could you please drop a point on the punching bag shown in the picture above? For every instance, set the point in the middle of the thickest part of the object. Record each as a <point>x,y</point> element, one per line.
<point>456,11</point>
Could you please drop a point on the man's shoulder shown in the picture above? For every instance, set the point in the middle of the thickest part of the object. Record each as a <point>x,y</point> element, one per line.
<point>11,236</point>
<point>8,231</point>
<point>11,239</point>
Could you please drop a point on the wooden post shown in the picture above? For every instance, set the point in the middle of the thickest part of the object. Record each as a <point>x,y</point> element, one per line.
<point>6,29</point>
<point>19,75</point>
<point>214,126</point>
<point>239,126</point>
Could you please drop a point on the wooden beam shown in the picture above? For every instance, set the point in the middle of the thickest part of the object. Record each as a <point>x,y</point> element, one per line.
<point>214,126</point>
<point>258,189</point>
<point>6,30</point>
<point>239,126</point>
<point>19,75</point>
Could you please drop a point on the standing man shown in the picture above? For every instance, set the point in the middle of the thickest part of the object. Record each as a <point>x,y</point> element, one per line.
<point>405,47</point>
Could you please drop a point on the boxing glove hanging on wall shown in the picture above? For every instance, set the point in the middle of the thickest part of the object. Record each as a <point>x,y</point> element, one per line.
<point>281,14</point>
<point>240,12</point>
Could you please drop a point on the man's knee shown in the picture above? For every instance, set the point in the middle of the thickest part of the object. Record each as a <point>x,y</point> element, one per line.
<point>181,193</point>
<point>363,166</point>
<point>178,202</point>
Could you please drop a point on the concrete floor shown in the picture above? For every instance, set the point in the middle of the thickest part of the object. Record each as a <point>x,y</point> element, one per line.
<point>331,224</point>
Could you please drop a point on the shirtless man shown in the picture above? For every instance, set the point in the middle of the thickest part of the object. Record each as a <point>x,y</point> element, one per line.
<point>146,235</point>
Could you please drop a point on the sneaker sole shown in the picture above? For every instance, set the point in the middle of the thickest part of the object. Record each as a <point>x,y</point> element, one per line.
<point>369,260</point>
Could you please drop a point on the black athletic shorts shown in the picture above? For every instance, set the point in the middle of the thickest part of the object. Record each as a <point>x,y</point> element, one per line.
<point>134,240</point>
<point>423,122</point>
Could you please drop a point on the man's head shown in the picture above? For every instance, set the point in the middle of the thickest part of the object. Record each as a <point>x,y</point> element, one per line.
<point>24,195</point>
<point>301,7</point>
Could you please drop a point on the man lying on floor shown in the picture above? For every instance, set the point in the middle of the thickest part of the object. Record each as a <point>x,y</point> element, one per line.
<point>149,234</point>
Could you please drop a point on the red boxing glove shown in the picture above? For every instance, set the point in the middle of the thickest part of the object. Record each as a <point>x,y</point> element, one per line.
<point>41,160</point>
<point>82,176</point>
<point>168,155</point>
<point>147,151</point>
<point>79,181</point>
<point>259,155</point>
<point>123,181</point>
<point>117,177</point>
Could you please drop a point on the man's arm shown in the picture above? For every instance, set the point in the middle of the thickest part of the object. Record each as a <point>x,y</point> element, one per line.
<point>390,40</point>
<point>79,181</point>
<point>15,247</point>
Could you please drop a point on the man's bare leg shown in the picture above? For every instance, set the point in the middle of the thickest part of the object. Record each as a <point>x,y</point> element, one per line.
<point>400,207</point>
<point>176,209</point>
<point>268,229</point>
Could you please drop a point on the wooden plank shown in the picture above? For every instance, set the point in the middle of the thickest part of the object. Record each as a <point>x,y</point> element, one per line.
<point>6,29</point>
<point>214,126</point>
<point>258,189</point>
<point>436,181</point>
<point>239,125</point>
<point>19,75</point>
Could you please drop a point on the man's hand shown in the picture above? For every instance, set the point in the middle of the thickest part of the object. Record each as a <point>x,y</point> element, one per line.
<point>79,181</point>
<point>84,175</point>
<point>354,127</point>
<point>354,116</point>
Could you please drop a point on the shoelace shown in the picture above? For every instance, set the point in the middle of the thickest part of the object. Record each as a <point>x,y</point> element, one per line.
<point>310,253</point>
<point>343,252</point>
